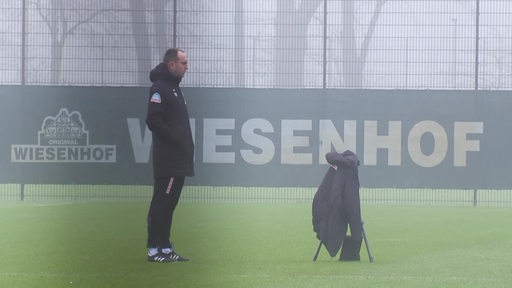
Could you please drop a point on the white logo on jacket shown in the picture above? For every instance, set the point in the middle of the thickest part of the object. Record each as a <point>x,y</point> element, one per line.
<point>156,98</point>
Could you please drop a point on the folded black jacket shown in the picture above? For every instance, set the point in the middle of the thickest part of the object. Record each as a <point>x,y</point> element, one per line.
<point>336,203</point>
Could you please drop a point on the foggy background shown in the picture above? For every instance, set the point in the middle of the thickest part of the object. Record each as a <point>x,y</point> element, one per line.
<point>378,44</point>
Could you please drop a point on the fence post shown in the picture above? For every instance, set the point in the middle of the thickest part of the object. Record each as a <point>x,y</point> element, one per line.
<point>477,43</point>
<point>23,41</point>
<point>475,197</point>
<point>22,192</point>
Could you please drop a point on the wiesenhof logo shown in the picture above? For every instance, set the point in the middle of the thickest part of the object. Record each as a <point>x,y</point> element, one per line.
<point>63,138</point>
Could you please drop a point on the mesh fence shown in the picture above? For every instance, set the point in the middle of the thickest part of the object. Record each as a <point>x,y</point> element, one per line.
<point>234,194</point>
<point>364,44</point>
<point>390,44</point>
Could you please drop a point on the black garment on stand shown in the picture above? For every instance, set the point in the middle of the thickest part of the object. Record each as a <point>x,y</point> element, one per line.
<point>336,205</point>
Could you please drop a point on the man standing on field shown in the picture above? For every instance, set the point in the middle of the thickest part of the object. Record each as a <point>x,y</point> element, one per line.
<point>173,151</point>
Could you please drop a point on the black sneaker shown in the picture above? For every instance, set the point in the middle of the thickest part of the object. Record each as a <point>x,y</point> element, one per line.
<point>160,257</point>
<point>175,257</point>
<point>171,257</point>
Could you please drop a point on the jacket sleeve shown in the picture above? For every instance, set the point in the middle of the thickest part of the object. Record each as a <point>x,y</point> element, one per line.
<point>347,158</point>
<point>171,133</point>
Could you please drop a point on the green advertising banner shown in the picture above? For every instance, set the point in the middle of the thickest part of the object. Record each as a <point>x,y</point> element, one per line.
<point>261,137</point>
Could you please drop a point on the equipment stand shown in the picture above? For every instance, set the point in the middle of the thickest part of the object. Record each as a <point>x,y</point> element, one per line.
<point>366,243</point>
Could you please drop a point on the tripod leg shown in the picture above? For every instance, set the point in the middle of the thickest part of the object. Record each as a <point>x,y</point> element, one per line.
<point>317,251</point>
<point>367,244</point>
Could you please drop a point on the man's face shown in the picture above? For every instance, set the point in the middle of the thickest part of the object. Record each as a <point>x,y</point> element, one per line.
<point>180,66</point>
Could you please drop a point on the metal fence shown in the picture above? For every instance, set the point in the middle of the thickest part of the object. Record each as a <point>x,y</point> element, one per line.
<point>363,44</point>
<point>235,194</point>
<point>368,44</point>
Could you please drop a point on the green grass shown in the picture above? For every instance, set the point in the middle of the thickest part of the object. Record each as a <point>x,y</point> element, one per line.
<point>102,244</point>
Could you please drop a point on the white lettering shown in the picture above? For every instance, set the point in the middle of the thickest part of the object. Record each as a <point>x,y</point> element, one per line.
<point>258,141</point>
<point>440,143</point>
<point>461,144</point>
<point>330,138</point>
<point>289,142</point>
<point>295,142</point>
<point>392,142</point>
<point>211,140</point>
<point>63,154</point>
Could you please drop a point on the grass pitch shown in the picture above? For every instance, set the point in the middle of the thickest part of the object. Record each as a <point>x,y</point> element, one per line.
<point>102,244</point>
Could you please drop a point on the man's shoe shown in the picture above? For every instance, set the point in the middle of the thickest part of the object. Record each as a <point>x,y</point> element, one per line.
<point>176,258</point>
<point>160,257</point>
<point>171,257</point>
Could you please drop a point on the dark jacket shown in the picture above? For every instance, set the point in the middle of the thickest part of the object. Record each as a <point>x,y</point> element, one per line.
<point>336,202</point>
<point>168,120</point>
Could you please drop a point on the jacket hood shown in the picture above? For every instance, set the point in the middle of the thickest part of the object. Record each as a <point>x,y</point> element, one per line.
<point>160,72</point>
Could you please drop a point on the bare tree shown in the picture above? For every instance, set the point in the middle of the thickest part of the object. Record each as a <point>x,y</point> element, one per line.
<point>495,62</point>
<point>354,58</point>
<point>162,24</point>
<point>62,23</point>
<point>151,37</point>
<point>291,41</point>
<point>239,61</point>
<point>141,37</point>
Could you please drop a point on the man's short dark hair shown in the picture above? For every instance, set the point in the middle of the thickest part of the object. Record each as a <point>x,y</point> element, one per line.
<point>171,55</point>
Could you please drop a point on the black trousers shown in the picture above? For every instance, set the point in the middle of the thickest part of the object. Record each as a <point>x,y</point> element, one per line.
<point>166,194</point>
